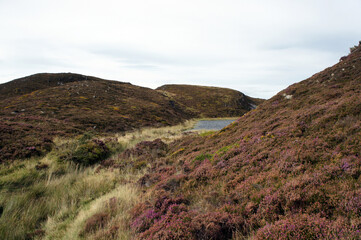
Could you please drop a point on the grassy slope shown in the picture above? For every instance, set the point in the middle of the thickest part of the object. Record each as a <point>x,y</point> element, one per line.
<point>210,101</point>
<point>291,169</point>
<point>52,197</point>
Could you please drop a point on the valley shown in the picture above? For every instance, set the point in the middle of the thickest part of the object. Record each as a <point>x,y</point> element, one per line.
<point>123,164</point>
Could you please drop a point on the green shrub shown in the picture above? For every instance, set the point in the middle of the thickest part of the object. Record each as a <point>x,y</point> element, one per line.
<point>90,152</point>
<point>84,151</point>
<point>202,157</point>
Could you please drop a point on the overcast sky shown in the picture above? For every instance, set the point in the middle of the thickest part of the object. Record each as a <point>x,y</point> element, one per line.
<point>258,47</point>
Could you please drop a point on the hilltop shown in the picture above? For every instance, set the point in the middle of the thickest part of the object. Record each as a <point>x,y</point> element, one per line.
<point>40,81</point>
<point>37,108</point>
<point>210,101</point>
<point>88,102</point>
<point>290,169</point>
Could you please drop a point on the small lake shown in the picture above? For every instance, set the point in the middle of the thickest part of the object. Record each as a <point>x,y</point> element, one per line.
<point>212,124</point>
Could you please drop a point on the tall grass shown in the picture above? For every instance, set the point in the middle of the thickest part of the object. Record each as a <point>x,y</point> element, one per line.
<point>26,208</point>
<point>167,134</point>
<point>44,198</point>
<point>70,220</point>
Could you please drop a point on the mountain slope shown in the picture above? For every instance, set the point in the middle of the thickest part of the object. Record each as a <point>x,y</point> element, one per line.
<point>35,109</point>
<point>210,101</point>
<point>290,169</point>
<point>40,81</point>
<point>65,104</point>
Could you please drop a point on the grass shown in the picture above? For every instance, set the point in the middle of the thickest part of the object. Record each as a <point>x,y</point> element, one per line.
<point>217,119</point>
<point>167,134</point>
<point>59,191</point>
<point>65,226</point>
<point>46,198</point>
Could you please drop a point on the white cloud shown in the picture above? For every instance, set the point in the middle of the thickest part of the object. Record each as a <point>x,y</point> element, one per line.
<point>258,47</point>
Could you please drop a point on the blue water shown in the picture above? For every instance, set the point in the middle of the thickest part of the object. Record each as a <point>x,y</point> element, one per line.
<point>212,124</point>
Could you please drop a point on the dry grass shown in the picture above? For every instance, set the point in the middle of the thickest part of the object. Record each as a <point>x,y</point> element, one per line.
<point>57,194</point>
<point>58,199</point>
<point>126,196</point>
<point>167,134</point>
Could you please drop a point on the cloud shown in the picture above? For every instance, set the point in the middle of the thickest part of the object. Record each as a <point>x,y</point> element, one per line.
<point>257,47</point>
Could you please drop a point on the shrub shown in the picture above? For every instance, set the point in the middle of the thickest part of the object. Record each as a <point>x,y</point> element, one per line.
<point>171,218</point>
<point>146,150</point>
<point>303,226</point>
<point>90,152</point>
<point>84,151</point>
<point>180,223</point>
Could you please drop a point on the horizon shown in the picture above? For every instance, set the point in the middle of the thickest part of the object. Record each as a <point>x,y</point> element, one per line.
<point>256,48</point>
<point>187,84</point>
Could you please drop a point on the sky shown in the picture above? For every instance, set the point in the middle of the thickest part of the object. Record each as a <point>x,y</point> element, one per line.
<point>257,47</point>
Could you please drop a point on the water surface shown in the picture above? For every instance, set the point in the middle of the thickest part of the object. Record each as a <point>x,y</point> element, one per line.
<point>212,124</point>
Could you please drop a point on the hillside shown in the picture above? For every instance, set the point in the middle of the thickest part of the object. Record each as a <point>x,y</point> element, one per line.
<point>37,108</point>
<point>210,101</point>
<point>290,169</point>
<point>40,81</point>
<point>48,105</point>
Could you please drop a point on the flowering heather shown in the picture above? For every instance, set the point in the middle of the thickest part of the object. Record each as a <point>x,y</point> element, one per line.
<point>146,150</point>
<point>172,219</point>
<point>304,226</point>
<point>289,169</point>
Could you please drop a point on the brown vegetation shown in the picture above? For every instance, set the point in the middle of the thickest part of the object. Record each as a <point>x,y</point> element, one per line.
<point>210,101</point>
<point>34,109</point>
<point>290,169</point>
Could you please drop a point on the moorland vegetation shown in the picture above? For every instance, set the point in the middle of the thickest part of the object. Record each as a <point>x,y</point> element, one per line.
<point>289,169</point>
<point>36,109</point>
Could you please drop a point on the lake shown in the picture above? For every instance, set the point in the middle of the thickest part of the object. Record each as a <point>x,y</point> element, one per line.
<point>212,124</point>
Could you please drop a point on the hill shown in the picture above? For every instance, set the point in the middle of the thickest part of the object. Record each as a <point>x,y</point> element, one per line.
<point>210,101</point>
<point>40,81</point>
<point>290,169</point>
<point>35,109</point>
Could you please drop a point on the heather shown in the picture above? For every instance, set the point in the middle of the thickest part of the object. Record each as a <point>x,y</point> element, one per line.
<point>210,101</point>
<point>66,106</point>
<point>289,169</point>
<point>36,109</point>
